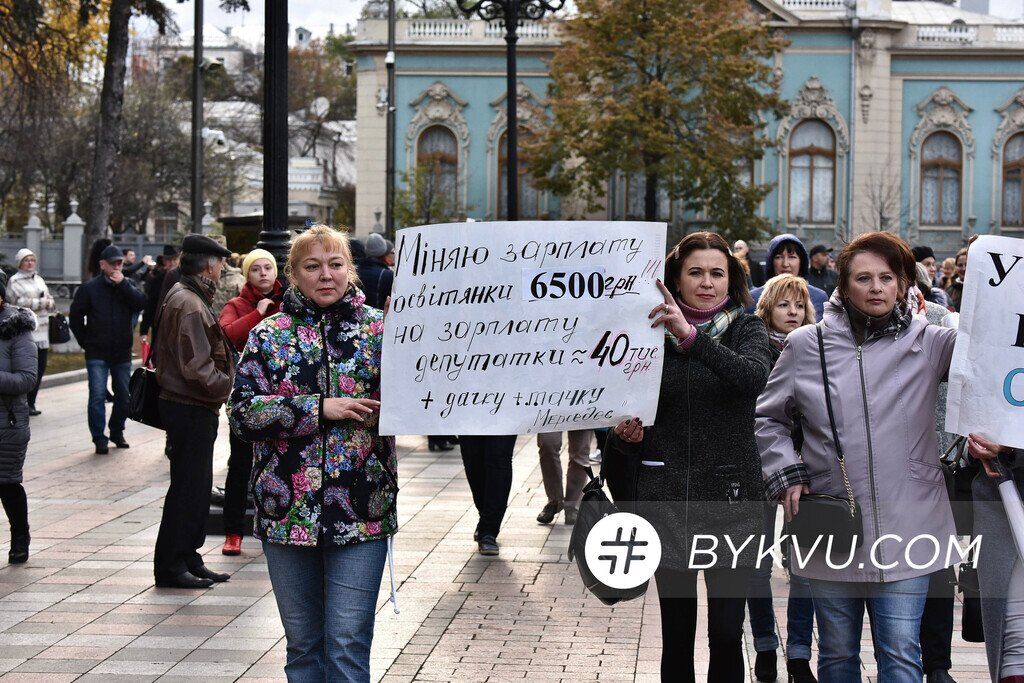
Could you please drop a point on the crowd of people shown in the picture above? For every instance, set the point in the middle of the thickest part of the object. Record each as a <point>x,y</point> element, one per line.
<point>809,374</point>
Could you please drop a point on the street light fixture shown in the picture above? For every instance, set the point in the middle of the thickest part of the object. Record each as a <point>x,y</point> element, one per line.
<point>510,13</point>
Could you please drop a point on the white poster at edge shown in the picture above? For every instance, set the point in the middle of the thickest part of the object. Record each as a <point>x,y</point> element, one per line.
<point>526,327</point>
<point>986,376</point>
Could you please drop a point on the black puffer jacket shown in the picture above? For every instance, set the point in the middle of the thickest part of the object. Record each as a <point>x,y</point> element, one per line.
<point>17,378</point>
<point>704,435</point>
<point>101,318</point>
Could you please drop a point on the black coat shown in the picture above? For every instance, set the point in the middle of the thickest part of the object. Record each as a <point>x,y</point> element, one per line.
<point>17,377</point>
<point>376,281</point>
<point>704,435</point>
<point>101,318</point>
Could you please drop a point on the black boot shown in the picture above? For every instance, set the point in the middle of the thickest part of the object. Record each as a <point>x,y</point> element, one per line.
<point>765,667</point>
<point>19,548</point>
<point>799,671</point>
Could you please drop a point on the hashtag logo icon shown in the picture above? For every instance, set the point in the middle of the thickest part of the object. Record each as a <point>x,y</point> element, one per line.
<point>629,545</point>
<point>623,550</point>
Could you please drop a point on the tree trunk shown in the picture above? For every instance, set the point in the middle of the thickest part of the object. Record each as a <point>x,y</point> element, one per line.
<point>651,197</point>
<point>108,135</point>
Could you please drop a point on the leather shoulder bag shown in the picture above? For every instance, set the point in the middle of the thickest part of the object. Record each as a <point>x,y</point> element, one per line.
<point>822,515</point>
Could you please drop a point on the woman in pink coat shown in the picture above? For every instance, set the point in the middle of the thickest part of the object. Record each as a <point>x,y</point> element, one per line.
<point>884,367</point>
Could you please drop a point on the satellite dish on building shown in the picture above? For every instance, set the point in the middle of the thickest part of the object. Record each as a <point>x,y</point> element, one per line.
<point>319,107</point>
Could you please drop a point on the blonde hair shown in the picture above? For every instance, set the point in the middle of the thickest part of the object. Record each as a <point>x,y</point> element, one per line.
<point>333,241</point>
<point>777,289</point>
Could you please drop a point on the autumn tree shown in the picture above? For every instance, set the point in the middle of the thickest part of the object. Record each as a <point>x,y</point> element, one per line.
<point>673,93</point>
<point>108,136</point>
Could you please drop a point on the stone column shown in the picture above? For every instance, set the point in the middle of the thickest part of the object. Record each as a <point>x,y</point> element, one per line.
<point>206,226</point>
<point>74,229</point>
<point>34,232</point>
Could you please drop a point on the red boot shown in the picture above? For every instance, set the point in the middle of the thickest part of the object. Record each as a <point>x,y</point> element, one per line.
<point>232,544</point>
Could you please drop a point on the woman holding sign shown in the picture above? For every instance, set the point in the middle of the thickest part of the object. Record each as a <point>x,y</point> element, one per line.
<point>869,456</point>
<point>700,454</point>
<point>306,395</point>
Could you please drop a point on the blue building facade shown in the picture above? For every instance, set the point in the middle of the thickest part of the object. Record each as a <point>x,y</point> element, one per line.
<point>906,116</point>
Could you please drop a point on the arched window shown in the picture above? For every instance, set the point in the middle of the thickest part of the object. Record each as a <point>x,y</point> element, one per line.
<point>941,171</point>
<point>812,173</point>
<point>1013,175</point>
<point>529,198</point>
<point>437,161</point>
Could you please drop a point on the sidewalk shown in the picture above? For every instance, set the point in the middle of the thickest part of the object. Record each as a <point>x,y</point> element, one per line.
<point>84,606</point>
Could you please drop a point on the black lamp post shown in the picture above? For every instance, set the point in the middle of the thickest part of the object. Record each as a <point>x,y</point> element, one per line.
<point>275,237</point>
<point>197,119</point>
<point>510,12</point>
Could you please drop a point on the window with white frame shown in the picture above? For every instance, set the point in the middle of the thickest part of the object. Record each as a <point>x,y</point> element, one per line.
<point>437,160</point>
<point>529,197</point>
<point>1013,174</point>
<point>941,175</point>
<point>812,173</point>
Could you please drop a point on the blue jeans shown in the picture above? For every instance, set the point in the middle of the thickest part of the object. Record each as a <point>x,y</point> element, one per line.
<point>799,618</point>
<point>120,373</point>
<point>759,600</point>
<point>327,597</point>
<point>896,609</point>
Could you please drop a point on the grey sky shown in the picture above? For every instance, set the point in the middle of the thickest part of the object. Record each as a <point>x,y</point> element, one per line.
<point>315,15</point>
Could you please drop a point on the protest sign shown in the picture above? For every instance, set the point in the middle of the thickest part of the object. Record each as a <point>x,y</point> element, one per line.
<point>986,377</point>
<point>525,327</point>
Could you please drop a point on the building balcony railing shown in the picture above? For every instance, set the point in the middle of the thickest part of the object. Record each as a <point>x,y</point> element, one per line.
<point>816,5</point>
<point>454,31</point>
<point>947,35</point>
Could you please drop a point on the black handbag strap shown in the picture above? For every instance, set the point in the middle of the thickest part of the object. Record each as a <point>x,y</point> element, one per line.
<point>828,394</point>
<point>832,419</point>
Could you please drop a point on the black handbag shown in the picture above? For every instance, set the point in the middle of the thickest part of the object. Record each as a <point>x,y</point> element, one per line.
<point>594,506</point>
<point>144,393</point>
<point>60,330</point>
<point>822,515</point>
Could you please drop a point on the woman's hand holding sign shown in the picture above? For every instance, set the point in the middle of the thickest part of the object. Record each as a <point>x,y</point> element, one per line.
<point>670,315</point>
<point>631,430</point>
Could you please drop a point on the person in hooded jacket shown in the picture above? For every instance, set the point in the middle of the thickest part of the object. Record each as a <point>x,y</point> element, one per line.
<point>260,299</point>
<point>787,254</point>
<point>884,367</point>
<point>17,378</point>
<point>28,290</point>
<point>785,305</point>
<point>699,456</point>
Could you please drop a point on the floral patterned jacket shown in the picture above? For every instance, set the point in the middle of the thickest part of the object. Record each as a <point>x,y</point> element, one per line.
<point>315,481</point>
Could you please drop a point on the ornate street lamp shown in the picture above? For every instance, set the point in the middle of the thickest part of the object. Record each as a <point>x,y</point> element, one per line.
<point>275,237</point>
<point>510,13</point>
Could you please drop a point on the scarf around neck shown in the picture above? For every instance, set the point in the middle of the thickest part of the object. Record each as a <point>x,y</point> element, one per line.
<point>778,339</point>
<point>713,321</point>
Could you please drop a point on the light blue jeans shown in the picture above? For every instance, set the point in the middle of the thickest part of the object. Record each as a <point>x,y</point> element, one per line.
<point>896,609</point>
<point>327,598</point>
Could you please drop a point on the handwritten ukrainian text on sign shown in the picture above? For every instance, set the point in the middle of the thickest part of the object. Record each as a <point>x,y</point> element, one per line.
<point>986,376</point>
<point>526,327</point>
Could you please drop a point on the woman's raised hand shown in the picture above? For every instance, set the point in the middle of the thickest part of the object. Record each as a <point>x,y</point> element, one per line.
<point>630,431</point>
<point>349,408</point>
<point>670,315</point>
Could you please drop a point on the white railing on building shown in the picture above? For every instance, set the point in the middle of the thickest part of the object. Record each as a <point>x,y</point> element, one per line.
<point>816,5</point>
<point>1009,34</point>
<point>438,28</point>
<point>528,29</point>
<point>947,34</point>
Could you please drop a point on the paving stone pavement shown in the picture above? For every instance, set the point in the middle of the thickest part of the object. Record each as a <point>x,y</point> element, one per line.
<point>84,607</point>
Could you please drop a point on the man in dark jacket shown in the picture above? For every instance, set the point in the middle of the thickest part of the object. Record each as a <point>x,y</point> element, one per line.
<point>377,279</point>
<point>819,274</point>
<point>195,369</point>
<point>102,314</point>
<point>154,285</point>
<point>787,254</point>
